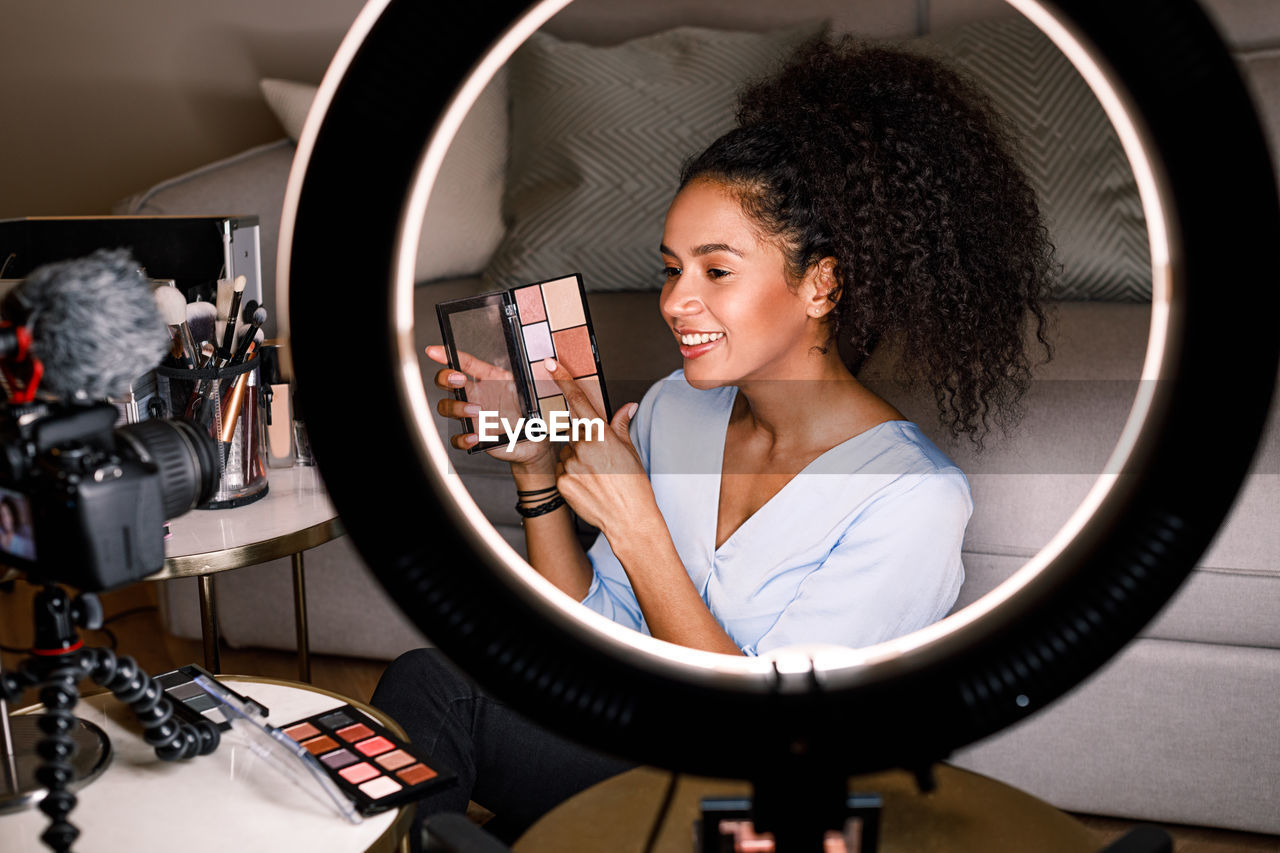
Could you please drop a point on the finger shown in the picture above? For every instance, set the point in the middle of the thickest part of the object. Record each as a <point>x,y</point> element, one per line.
<point>479,368</point>
<point>468,363</point>
<point>450,380</point>
<point>580,405</point>
<point>566,453</point>
<point>458,409</point>
<point>622,421</point>
<point>465,441</point>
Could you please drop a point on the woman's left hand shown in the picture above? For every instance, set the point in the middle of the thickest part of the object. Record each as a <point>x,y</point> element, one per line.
<point>603,480</point>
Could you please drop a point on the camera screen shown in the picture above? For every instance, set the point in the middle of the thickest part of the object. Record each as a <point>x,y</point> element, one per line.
<point>17,538</point>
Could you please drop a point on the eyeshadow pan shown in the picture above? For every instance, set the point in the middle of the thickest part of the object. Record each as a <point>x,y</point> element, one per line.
<point>543,384</point>
<point>339,758</point>
<point>336,720</point>
<point>317,745</point>
<point>357,773</point>
<point>378,788</point>
<point>302,731</point>
<point>168,679</point>
<point>573,350</point>
<point>351,734</point>
<point>201,703</point>
<point>564,303</point>
<point>417,773</point>
<point>547,405</point>
<point>537,342</point>
<point>186,691</point>
<point>529,301</point>
<point>374,746</point>
<point>395,760</point>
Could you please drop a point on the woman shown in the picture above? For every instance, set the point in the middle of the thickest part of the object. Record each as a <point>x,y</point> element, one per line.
<point>761,496</point>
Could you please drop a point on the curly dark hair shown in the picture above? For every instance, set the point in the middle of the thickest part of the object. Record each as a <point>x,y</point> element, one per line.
<point>901,169</point>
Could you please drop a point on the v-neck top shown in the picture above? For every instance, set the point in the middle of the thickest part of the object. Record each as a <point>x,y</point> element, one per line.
<point>861,546</point>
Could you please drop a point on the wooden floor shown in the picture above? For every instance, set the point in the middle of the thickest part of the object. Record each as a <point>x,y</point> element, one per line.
<point>134,624</point>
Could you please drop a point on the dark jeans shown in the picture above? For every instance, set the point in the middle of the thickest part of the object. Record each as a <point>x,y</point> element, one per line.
<point>505,763</point>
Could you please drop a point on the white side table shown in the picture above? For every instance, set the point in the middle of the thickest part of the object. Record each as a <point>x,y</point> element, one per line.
<point>230,800</point>
<point>295,515</point>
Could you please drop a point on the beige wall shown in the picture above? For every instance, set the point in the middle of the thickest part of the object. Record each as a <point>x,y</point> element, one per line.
<point>101,98</point>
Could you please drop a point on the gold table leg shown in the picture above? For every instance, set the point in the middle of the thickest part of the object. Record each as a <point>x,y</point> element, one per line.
<point>300,618</point>
<point>209,624</point>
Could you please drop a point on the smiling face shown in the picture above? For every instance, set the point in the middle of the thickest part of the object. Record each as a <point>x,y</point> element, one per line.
<point>728,300</point>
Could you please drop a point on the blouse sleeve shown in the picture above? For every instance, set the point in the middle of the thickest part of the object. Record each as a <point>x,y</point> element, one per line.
<point>895,569</point>
<point>610,593</point>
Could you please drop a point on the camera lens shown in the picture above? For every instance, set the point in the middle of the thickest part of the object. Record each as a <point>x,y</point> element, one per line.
<point>186,457</point>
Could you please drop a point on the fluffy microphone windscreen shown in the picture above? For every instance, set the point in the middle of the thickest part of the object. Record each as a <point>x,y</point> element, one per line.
<point>94,323</point>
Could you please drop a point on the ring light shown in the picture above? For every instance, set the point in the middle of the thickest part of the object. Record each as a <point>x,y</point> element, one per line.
<point>365,165</point>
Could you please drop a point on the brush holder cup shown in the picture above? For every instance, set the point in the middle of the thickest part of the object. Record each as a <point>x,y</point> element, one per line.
<point>227,402</point>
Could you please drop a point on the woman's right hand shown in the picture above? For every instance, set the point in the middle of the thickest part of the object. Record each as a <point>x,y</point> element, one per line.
<point>488,388</point>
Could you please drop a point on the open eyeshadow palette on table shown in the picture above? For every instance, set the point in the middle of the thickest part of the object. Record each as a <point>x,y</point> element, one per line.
<point>341,755</point>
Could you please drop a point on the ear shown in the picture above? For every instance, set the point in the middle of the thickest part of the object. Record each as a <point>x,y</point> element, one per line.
<point>821,287</point>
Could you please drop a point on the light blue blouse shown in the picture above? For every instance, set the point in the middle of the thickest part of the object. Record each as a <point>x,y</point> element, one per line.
<point>860,547</point>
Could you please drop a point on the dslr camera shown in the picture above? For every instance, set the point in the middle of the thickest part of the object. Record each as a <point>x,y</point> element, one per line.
<point>85,503</point>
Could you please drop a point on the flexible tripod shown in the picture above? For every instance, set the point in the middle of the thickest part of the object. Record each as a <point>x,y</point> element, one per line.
<point>57,663</point>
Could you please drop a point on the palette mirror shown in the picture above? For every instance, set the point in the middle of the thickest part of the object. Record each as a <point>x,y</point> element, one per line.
<point>1029,483</point>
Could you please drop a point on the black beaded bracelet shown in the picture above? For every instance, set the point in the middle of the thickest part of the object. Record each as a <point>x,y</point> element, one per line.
<point>541,509</point>
<point>533,492</point>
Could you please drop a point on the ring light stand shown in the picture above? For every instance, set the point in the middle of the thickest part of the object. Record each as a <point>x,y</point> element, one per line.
<point>798,728</point>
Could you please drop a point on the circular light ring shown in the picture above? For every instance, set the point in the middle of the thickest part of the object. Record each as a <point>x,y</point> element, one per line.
<point>348,233</point>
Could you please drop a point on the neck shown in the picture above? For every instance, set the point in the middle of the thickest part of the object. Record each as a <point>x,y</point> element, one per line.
<point>817,407</point>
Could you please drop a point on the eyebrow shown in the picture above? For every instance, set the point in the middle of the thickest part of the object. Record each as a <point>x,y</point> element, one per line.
<point>704,249</point>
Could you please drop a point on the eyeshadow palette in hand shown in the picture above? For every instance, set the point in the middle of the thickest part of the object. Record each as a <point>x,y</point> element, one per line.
<point>500,339</point>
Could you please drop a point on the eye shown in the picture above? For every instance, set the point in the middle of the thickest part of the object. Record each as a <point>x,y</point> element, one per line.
<point>716,272</point>
<point>671,272</point>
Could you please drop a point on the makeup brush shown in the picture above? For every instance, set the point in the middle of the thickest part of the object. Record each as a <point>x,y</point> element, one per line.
<point>229,335</point>
<point>173,307</point>
<point>250,335</point>
<point>233,402</point>
<point>223,298</point>
<point>202,321</point>
<point>199,405</point>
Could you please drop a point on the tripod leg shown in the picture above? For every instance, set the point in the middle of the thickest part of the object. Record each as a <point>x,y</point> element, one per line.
<point>58,694</point>
<point>172,739</point>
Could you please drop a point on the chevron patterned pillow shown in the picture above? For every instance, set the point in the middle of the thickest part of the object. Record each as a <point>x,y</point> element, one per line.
<point>1071,153</point>
<point>598,136</point>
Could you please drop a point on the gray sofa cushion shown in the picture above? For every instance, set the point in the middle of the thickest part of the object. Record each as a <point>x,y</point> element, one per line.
<point>463,221</point>
<point>1072,154</point>
<point>249,183</point>
<point>1168,732</point>
<point>598,135</point>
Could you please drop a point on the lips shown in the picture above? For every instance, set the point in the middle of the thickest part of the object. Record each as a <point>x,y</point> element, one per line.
<point>695,343</point>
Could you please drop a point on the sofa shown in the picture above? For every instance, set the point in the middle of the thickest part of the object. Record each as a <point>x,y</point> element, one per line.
<point>1180,727</point>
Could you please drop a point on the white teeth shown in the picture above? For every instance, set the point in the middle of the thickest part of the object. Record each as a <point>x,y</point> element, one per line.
<point>703,338</point>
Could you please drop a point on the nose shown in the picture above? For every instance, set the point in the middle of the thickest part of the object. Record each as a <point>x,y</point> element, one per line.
<point>680,297</point>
